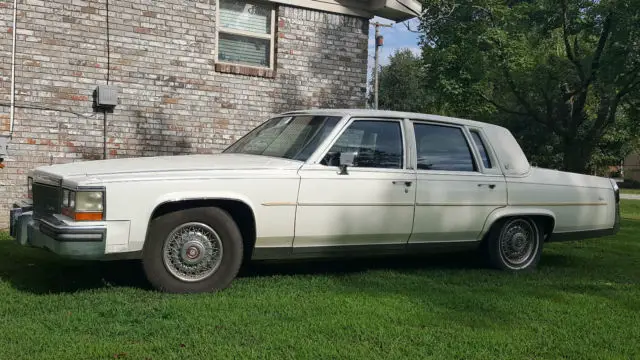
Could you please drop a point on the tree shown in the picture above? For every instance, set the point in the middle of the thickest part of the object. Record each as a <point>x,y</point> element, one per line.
<point>401,84</point>
<point>564,75</point>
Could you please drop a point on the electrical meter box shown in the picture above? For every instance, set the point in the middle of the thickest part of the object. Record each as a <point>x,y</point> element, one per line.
<point>107,95</point>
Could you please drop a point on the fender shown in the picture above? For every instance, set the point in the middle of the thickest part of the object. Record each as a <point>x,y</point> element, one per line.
<point>502,212</point>
<point>198,195</point>
<point>139,230</point>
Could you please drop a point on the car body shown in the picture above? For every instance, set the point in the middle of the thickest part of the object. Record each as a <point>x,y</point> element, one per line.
<point>315,183</point>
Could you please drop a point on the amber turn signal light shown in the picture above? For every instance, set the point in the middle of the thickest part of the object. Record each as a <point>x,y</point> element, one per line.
<point>87,216</point>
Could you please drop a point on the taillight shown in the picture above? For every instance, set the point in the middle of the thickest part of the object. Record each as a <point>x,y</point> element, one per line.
<point>616,190</point>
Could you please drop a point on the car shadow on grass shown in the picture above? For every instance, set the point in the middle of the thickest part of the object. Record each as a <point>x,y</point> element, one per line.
<point>41,272</point>
<point>354,265</point>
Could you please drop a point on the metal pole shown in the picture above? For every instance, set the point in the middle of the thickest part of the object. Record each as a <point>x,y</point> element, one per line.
<point>13,69</point>
<point>375,69</point>
<point>376,61</point>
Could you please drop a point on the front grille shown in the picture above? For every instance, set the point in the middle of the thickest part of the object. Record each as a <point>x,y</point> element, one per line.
<point>46,199</point>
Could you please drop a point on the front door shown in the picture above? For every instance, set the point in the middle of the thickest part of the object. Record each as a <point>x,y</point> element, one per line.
<point>371,205</point>
<point>459,183</point>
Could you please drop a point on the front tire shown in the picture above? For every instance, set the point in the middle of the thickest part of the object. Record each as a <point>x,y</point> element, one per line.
<point>193,250</point>
<point>515,244</point>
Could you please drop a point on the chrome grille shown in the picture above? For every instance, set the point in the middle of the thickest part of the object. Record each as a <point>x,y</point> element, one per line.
<point>46,199</point>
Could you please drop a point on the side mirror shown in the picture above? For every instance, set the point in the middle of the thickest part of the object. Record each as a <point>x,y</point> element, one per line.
<point>346,159</point>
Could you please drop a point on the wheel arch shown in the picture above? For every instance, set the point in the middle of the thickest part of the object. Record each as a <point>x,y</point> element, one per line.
<point>239,209</point>
<point>544,219</point>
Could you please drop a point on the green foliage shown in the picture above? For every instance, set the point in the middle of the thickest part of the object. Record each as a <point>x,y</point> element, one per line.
<point>562,75</point>
<point>401,83</point>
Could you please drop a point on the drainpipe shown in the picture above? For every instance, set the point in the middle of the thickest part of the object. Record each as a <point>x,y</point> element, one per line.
<point>13,69</point>
<point>4,139</point>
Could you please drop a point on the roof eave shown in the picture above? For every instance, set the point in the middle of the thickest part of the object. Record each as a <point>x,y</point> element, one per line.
<point>396,10</point>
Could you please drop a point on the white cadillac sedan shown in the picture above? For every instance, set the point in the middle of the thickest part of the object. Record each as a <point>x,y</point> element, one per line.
<point>316,183</point>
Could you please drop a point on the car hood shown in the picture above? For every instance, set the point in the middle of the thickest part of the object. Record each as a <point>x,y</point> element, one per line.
<point>164,164</point>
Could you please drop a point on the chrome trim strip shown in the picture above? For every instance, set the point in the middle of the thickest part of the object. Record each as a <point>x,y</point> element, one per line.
<point>355,204</point>
<point>561,204</point>
<point>460,204</point>
<point>279,203</point>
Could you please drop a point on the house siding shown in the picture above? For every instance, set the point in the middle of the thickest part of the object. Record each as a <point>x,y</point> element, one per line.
<point>173,97</point>
<point>631,166</point>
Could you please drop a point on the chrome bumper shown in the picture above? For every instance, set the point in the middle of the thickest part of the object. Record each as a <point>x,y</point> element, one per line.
<point>82,242</point>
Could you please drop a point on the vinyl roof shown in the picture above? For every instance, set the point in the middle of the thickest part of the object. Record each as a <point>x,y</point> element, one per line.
<point>392,114</point>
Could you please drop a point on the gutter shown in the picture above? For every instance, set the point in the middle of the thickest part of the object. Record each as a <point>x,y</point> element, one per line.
<point>13,70</point>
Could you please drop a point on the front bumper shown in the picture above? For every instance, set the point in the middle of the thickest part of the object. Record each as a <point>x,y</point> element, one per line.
<point>73,241</point>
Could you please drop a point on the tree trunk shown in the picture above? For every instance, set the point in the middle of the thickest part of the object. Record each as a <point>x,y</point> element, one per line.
<point>576,156</point>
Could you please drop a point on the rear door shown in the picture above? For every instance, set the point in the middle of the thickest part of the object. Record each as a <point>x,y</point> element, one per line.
<point>458,183</point>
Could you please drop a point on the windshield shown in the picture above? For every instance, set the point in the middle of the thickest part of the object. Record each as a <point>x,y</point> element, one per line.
<point>290,137</point>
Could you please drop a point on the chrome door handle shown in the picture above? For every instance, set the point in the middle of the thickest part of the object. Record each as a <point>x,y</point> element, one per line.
<point>491,186</point>
<point>405,183</point>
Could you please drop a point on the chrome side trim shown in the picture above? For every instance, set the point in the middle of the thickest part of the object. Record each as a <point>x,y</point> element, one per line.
<point>362,250</point>
<point>355,204</point>
<point>279,203</point>
<point>561,204</point>
<point>460,204</point>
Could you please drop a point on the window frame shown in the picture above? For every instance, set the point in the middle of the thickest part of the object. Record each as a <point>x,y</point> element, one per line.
<point>477,161</point>
<point>496,167</point>
<point>271,36</point>
<point>404,144</point>
<point>482,147</point>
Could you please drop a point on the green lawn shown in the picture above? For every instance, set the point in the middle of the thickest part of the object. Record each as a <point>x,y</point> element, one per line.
<point>583,303</point>
<point>630,191</point>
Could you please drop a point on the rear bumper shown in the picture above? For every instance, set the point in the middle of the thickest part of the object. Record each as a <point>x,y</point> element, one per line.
<point>80,242</point>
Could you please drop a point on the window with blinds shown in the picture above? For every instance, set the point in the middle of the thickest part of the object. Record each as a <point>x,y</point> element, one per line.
<point>245,33</point>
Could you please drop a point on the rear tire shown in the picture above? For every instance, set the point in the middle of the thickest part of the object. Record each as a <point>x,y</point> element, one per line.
<point>514,244</point>
<point>193,250</point>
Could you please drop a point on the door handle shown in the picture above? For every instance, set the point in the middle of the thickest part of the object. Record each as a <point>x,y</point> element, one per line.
<point>405,183</point>
<point>491,186</point>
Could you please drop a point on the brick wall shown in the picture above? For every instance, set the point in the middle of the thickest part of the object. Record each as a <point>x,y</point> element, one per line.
<point>174,98</point>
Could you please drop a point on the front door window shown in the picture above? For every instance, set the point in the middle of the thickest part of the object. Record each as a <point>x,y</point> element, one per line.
<point>377,144</point>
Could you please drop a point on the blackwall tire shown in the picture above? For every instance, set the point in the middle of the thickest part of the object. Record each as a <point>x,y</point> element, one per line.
<point>515,244</point>
<point>192,251</point>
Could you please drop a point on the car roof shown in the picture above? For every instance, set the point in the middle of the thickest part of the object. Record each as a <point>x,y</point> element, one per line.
<point>392,114</point>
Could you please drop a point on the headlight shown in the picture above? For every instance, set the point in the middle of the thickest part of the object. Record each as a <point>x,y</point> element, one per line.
<point>89,201</point>
<point>83,205</point>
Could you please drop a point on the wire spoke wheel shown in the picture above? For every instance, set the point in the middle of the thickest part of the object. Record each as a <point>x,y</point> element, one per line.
<point>518,243</point>
<point>192,252</point>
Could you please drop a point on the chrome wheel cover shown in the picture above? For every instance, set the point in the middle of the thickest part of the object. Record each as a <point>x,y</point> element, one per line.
<point>518,243</point>
<point>192,252</point>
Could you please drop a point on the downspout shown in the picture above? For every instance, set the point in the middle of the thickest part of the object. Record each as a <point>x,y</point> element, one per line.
<point>13,70</point>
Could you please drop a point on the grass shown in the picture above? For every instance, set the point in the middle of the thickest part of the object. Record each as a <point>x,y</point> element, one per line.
<point>582,303</point>
<point>630,191</point>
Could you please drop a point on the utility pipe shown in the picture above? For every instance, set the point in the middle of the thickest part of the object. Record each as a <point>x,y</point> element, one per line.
<point>13,70</point>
